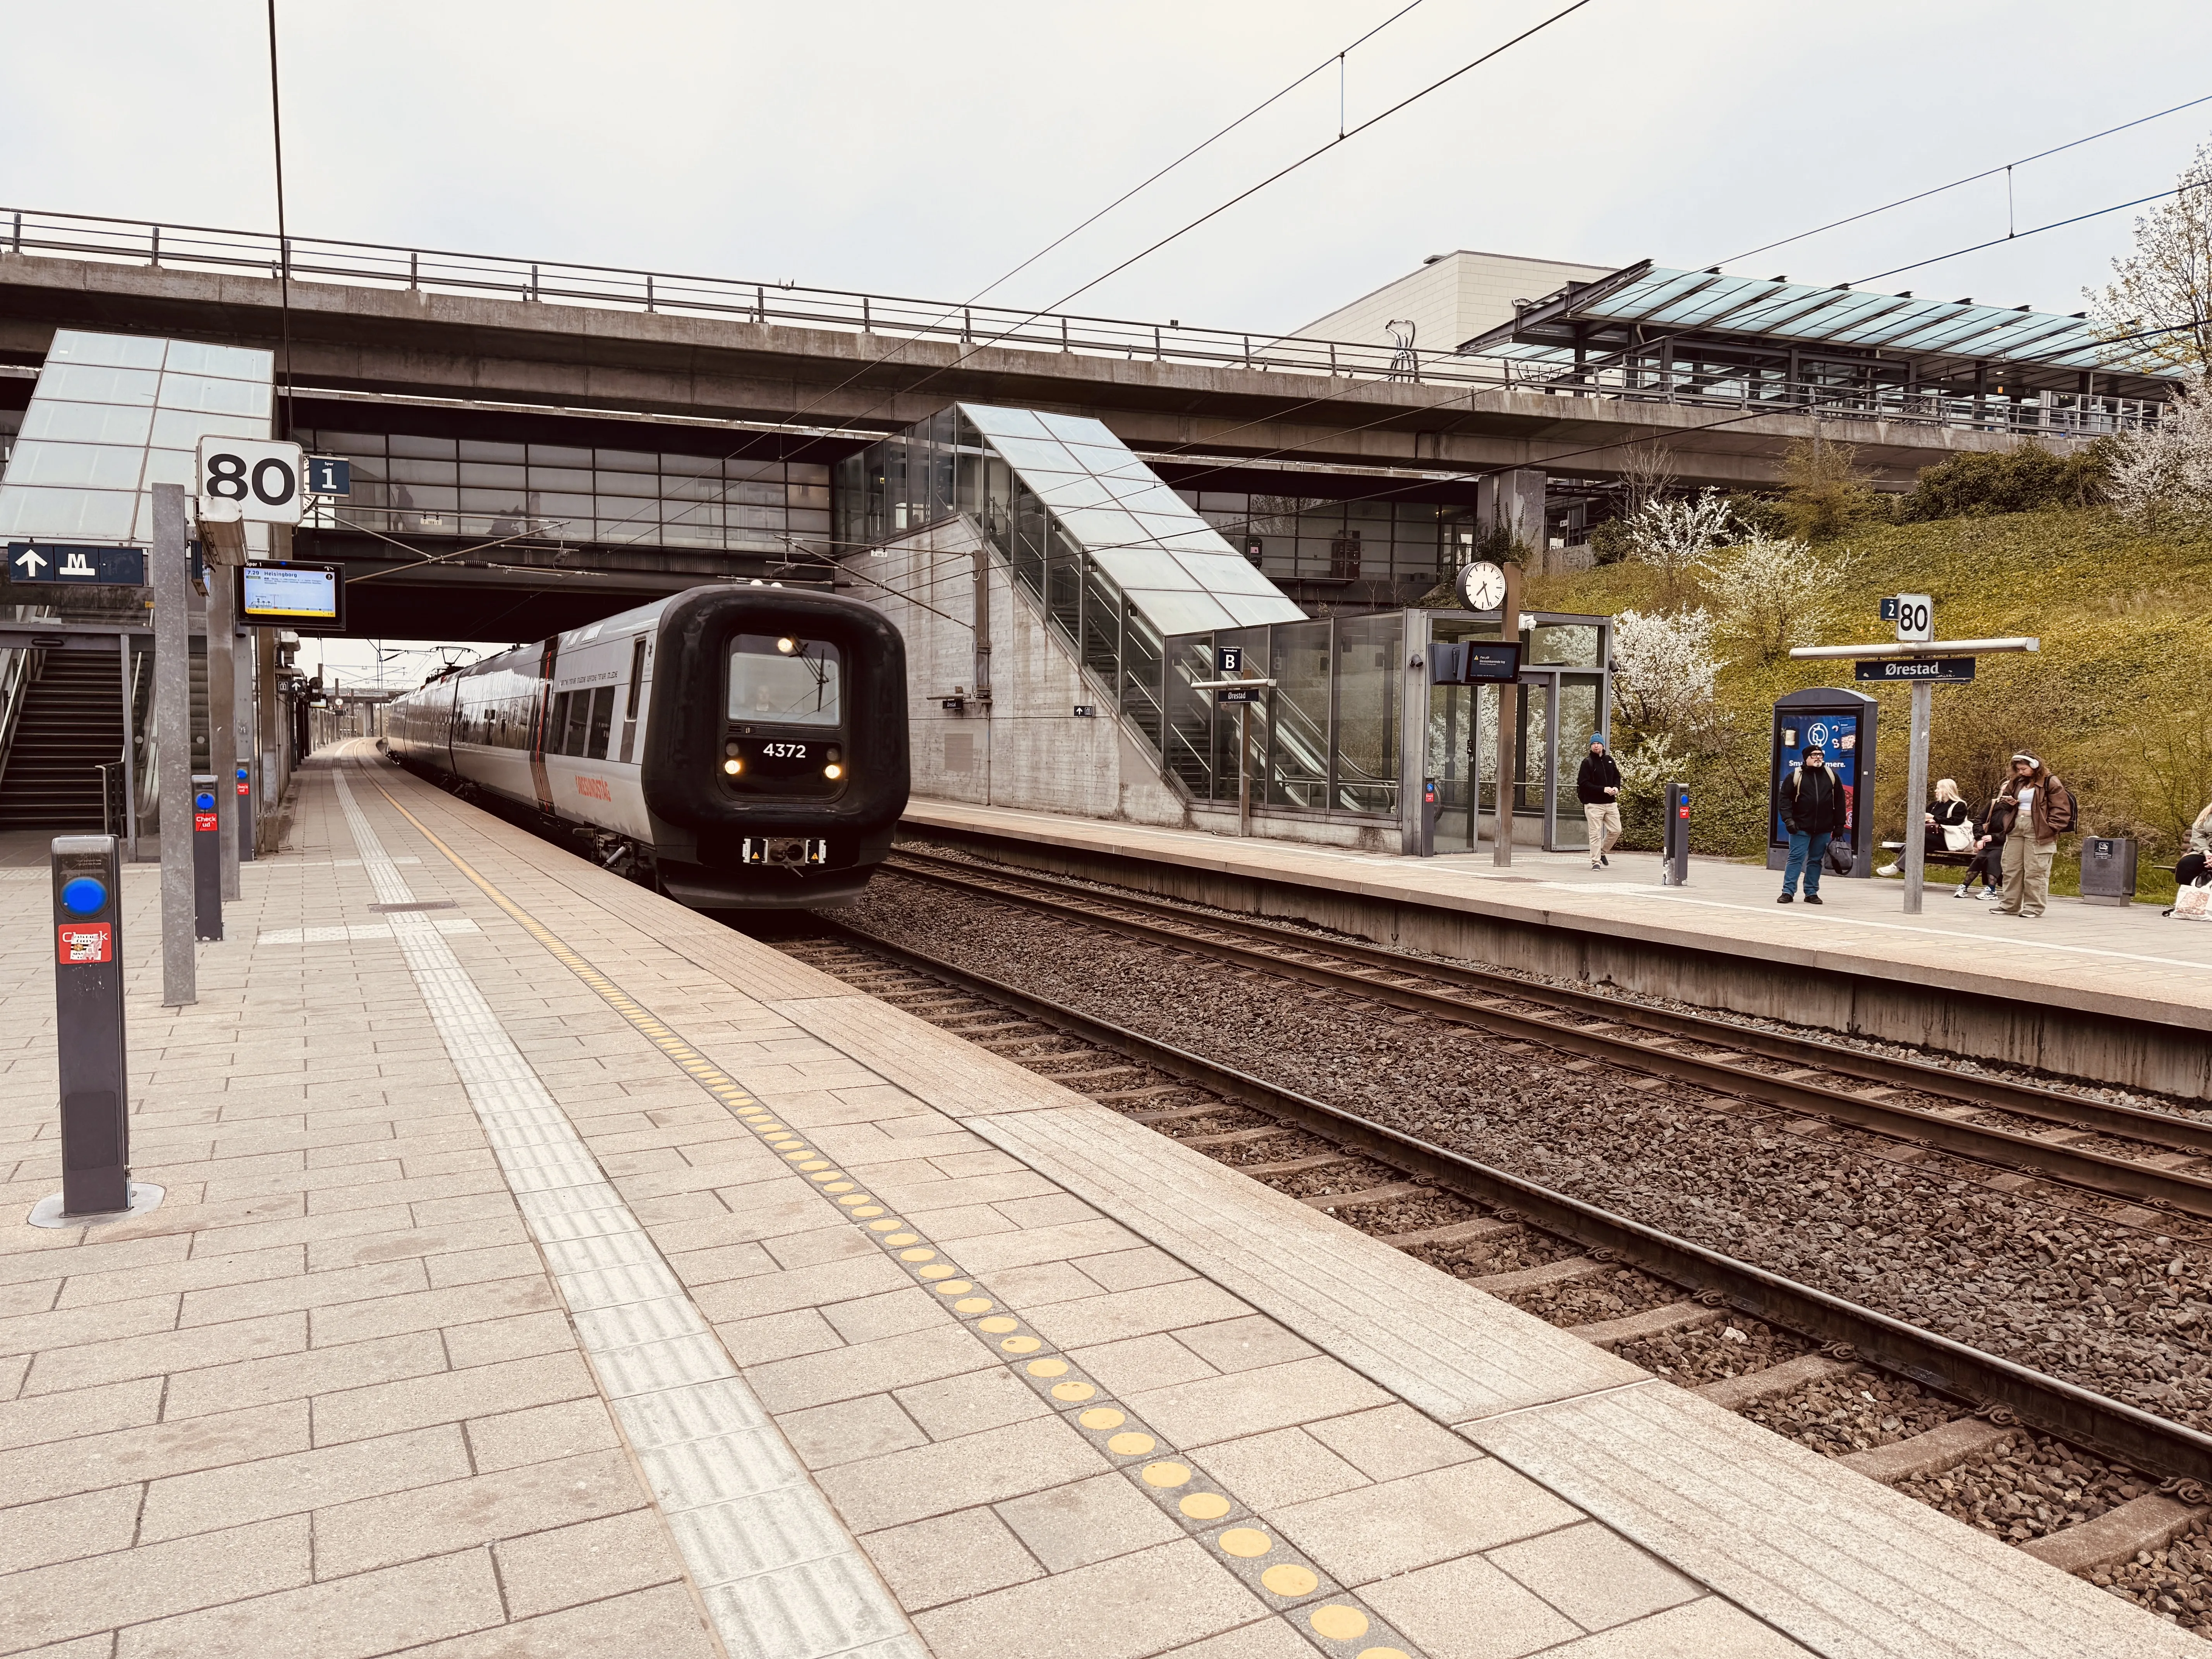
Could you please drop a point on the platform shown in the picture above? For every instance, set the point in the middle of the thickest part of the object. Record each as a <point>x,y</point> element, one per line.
<point>547,1270</point>
<point>2109,993</point>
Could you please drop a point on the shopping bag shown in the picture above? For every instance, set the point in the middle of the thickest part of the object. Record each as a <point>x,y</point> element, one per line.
<point>2193,903</point>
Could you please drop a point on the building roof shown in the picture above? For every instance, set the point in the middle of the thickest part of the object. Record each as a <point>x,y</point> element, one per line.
<point>1705,303</point>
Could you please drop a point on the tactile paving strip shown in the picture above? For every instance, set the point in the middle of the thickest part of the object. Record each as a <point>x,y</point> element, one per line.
<point>779,1576</point>
<point>1331,1619</point>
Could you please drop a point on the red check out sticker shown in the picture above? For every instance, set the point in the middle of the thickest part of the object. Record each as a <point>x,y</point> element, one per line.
<point>204,821</point>
<point>84,941</point>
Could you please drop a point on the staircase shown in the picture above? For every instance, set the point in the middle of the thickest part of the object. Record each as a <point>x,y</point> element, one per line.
<point>71,724</point>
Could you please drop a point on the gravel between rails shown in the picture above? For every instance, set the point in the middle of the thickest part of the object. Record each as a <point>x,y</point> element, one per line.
<point>2031,1273</point>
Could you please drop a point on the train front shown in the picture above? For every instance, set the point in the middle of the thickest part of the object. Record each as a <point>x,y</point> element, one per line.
<point>775,754</point>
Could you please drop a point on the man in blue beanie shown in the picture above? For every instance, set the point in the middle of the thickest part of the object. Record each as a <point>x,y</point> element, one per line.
<point>1598,788</point>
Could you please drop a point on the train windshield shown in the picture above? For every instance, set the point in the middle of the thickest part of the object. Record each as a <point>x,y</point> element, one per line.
<point>785,681</point>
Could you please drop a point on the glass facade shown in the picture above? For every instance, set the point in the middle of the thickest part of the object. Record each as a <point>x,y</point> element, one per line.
<point>113,415</point>
<point>1302,538</point>
<point>407,484</point>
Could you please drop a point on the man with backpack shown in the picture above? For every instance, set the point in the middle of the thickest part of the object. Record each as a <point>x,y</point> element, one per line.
<point>2037,810</point>
<point>1812,808</point>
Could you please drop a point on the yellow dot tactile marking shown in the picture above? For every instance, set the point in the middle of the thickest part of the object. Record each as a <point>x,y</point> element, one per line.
<point>1046,1368</point>
<point>1337,1622</point>
<point>937,1270</point>
<point>1334,1622</point>
<point>974,1305</point>
<point>923,1254</point>
<point>954,1287</point>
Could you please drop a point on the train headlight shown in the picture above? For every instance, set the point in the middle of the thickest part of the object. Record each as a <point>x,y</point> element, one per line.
<point>786,645</point>
<point>734,766</point>
<point>833,771</point>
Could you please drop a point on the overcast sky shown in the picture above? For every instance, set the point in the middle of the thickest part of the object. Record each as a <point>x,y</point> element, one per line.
<point>925,151</point>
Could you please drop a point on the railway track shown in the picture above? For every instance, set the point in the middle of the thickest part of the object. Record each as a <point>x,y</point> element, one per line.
<point>1135,1065</point>
<point>2130,1154</point>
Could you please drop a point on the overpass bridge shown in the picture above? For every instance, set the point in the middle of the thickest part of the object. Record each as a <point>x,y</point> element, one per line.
<point>420,360</point>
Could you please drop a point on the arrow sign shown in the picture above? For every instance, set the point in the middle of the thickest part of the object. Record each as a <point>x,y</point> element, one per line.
<point>53,562</point>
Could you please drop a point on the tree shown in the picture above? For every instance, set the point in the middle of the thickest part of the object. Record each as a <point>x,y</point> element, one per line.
<point>1674,535</point>
<point>2162,475</point>
<point>2166,284</point>
<point>1772,592</point>
<point>1665,676</point>
<point>1824,494</point>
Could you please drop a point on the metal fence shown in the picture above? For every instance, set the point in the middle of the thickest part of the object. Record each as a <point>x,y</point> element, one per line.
<point>370,264</point>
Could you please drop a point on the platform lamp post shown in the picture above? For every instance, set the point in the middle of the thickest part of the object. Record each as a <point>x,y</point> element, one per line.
<point>1924,662</point>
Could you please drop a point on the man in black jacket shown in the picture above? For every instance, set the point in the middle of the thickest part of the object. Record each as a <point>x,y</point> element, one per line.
<point>1812,808</point>
<point>1598,788</point>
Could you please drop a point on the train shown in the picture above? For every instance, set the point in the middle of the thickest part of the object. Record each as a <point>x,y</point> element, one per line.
<point>734,747</point>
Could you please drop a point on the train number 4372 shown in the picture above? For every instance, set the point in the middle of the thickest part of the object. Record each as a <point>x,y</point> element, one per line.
<point>784,751</point>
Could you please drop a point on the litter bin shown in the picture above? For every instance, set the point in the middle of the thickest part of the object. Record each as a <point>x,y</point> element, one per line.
<point>2108,870</point>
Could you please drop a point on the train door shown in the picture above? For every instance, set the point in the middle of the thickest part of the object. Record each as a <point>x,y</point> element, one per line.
<point>538,781</point>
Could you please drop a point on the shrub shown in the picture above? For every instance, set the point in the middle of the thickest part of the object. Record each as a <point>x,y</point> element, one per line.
<point>2024,480</point>
<point>1824,493</point>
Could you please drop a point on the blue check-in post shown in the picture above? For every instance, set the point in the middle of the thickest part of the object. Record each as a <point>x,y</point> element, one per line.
<point>207,858</point>
<point>88,920</point>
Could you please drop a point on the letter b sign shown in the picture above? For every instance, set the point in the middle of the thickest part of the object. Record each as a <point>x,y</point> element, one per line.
<point>261,477</point>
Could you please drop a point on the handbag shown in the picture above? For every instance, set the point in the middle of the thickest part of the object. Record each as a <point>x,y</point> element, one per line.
<point>1958,837</point>
<point>2193,903</point>
<point>1842,857</point>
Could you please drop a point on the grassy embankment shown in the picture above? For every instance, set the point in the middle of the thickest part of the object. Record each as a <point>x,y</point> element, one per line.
<point>2119,701</point>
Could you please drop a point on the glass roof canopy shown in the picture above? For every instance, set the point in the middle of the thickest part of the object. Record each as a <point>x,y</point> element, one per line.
<point>113,415</point>
<point>1174,567</point>
<point>1705,303</point>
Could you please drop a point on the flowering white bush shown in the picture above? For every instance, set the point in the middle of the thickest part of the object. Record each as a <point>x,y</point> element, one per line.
<point>1665,672</point>
<point>1675,534</point>
<point>2163,474</point>
<point>1771,590</point>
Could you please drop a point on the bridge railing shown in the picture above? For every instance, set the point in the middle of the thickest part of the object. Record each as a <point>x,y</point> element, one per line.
<point>378,266</point>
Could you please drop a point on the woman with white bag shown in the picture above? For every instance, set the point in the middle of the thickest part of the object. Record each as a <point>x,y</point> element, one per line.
<point>1947,824</point>
<point>2192,897</point>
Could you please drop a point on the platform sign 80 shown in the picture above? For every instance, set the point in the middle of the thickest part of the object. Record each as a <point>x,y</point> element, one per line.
<point>262,476</point>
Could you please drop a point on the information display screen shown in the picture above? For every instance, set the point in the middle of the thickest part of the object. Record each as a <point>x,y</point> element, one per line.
<point>309,598</point>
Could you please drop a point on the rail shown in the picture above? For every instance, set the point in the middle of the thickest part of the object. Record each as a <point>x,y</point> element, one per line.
<point>2111,1427</point>
<point>437,271</point>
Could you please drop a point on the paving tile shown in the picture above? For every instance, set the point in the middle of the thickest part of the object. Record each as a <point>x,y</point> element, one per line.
<point>300,1291</point>
<point>298,1376</point>
<point>482,1265</point>
<point>372,1612</point>
<point>1122,1608</point>
<point>1044,1283</point>
<point>1123,1314</point>
<point>64,1528</point>
<point>429,1309</point>
<point>449,1397</point>
<point>1391,1441</point>
<point>710,1266</point>
<point>1252,1402</point>
<point>539,1433</point>
<point>591,1559</point>
<point>1131,1270</point>
<point>53,1469</point>
<point>293,1484</point>
<point>851,1429</point>
<point>124,1586</point>
<point>1144,1361</point>
<point>1595,1577</point>
<point>949,1558</point>
<point>970,1403</point>
<point>1710,1629</point>
<point>459,1514</point>
<point>1087,1520</point>
<point>894,1313</point>
<point>895,1361</point>
<point>838,1242</point>
<point>1239,1345</point>
<point>164,1351</point>
<point>1269,1638</point>
<point>1398,1525</point>
<point>778,1336</point>
<point>954,1475</point>
<point>491,1341</point>
<point>403,1242</point>
<point>81,1412</point>
<point>1286,1467</point>
<point>1467,1609</point>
